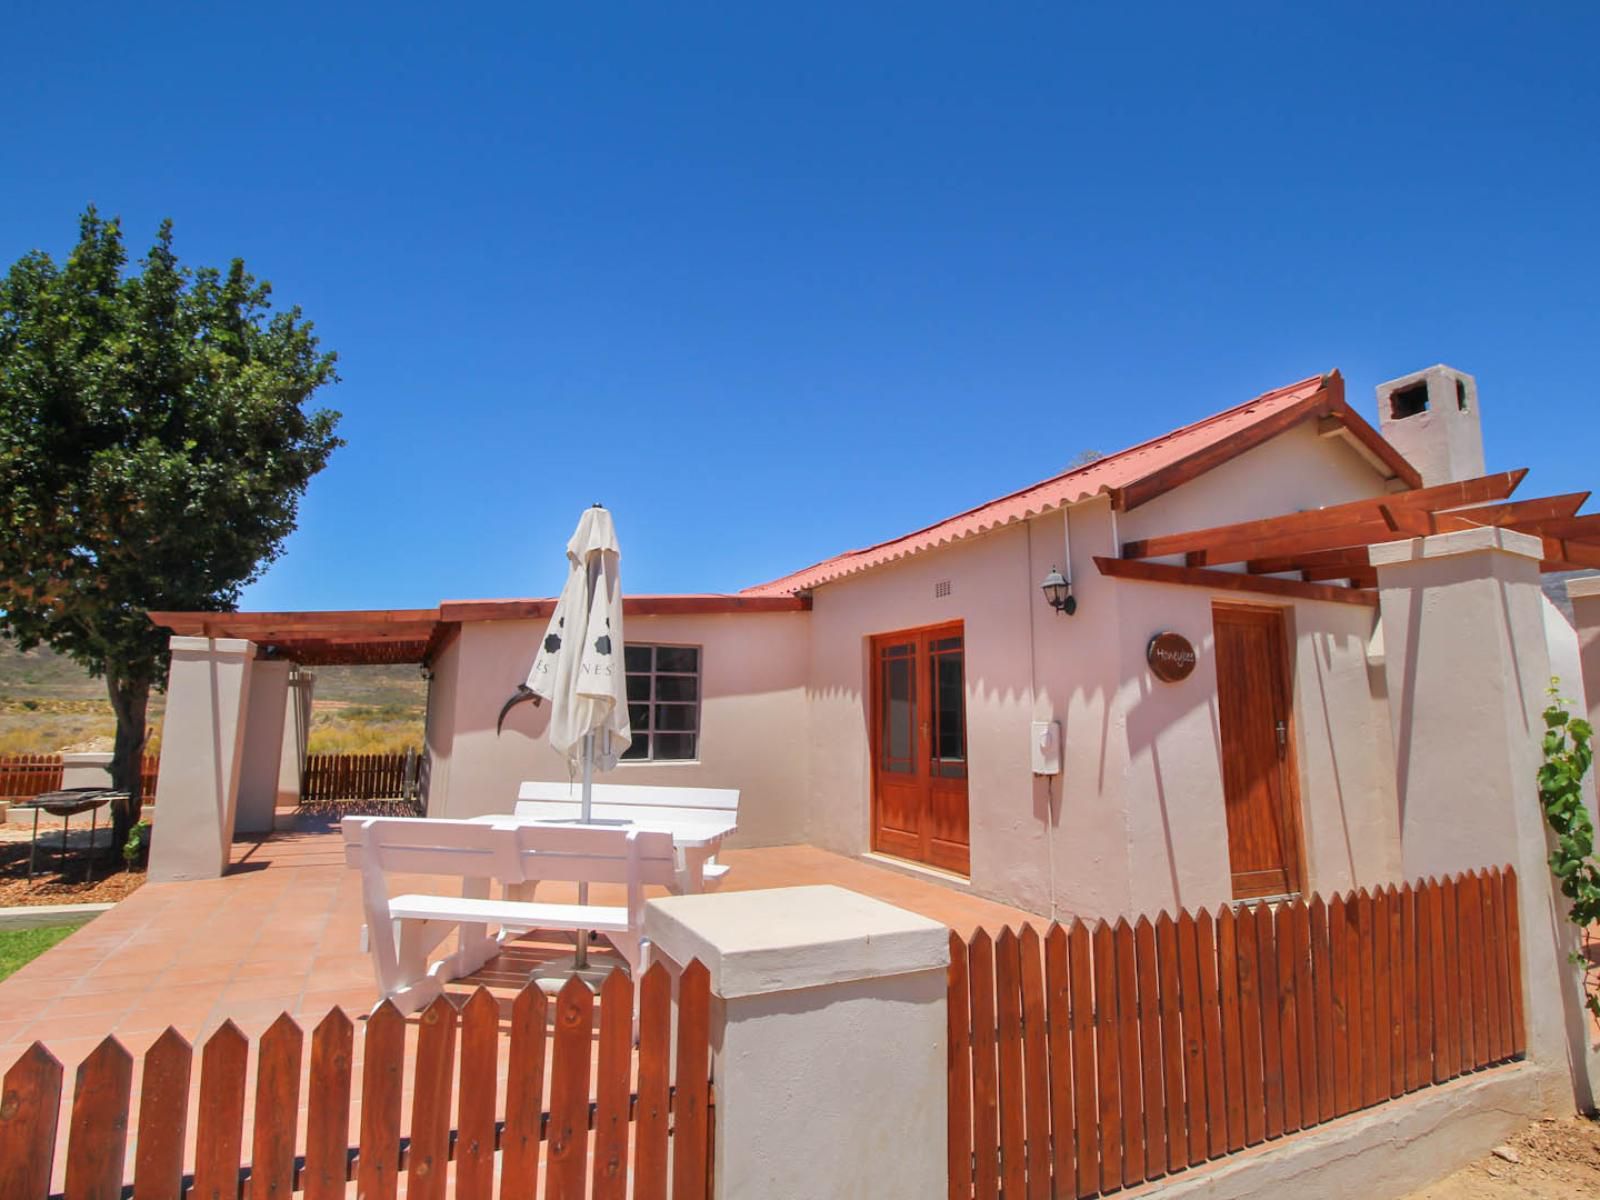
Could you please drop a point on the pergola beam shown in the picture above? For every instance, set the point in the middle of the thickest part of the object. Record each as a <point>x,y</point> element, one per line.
<point>1231,581</point>
<point>1482,490</point>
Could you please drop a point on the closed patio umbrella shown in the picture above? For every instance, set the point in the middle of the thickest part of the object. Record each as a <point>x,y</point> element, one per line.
<point>578,668</point>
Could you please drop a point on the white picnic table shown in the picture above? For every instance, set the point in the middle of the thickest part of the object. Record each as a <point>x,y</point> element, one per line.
<point>695,840</point>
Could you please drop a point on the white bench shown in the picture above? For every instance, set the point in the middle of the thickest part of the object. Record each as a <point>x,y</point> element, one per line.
<point>634,802</point>
<point>402,930</point>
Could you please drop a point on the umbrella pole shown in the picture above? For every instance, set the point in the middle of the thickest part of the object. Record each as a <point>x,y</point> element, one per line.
<point>581,960</point>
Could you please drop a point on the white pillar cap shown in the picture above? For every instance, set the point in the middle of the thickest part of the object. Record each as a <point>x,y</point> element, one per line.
<point>238,647</point>
<point>1448,545</point>
<point>1583,587</point>
<point>783,939</point>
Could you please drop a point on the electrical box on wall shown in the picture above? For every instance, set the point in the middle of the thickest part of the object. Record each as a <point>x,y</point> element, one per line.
<point>1047,747</point>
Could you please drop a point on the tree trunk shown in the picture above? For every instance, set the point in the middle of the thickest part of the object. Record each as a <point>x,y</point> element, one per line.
<point>130,700</point>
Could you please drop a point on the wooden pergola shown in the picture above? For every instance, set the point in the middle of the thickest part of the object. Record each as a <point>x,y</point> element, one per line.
<point>320,639</point>
<point>1323,554</point>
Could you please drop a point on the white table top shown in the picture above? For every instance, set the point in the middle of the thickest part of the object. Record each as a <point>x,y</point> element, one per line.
<point>686,835</point>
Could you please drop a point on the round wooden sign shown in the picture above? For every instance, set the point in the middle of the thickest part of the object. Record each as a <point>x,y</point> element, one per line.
<point>1171,656</point>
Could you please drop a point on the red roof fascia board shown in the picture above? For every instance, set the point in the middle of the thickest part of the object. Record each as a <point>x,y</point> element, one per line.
<point>632,606</point>
<point>1130,478</point>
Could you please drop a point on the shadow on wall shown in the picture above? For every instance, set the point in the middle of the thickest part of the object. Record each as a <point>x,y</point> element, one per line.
<point>1153,745</point>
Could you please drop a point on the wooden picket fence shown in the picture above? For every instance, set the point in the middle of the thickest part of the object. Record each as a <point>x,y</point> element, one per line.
<point>24,776</point>
<point>1090,1060</point>
<point>331,777</point>
<point>149,771</point>
<point>666,1122</point>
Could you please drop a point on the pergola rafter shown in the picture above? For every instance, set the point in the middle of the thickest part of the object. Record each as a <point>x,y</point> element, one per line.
<point>1324,554</point>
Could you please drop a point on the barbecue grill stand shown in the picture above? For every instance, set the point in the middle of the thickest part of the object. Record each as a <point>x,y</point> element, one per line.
<point>66,804</point>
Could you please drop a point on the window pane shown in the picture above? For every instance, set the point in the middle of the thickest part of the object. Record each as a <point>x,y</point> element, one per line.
<point>636,658</point>
<point>674,746</point>
<point>639,716</point>
<point>676,687</point>
<point>949,643</point>
<point>640,746</point>
<point>677,658</point>
<point>949,709</point>
<point>898,735</point>
<point>675,717</point>
<point>638,689</point>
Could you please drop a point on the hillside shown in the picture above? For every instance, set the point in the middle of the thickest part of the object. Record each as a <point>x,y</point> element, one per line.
<point>48,704</point>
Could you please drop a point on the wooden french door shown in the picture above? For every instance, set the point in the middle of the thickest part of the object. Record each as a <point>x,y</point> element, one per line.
<point>1256,719</point>
<point>919,746</point>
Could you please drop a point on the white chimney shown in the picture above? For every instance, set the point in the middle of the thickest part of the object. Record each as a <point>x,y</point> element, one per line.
<point>1431,417</point>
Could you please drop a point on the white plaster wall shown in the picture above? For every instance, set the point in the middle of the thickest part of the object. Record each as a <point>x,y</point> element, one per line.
<point>1344,761</point>
<point>439,735</point>
<point>1135,821</point>
<point>752,718</point>
<point>993,592</point>
<point>1079,667</point>
<point>1298,469</point>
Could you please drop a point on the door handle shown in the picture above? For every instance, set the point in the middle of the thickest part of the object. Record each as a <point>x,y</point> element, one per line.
<point>1283,736</point>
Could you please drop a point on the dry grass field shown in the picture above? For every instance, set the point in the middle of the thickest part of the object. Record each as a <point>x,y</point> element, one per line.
<point>49,705</point>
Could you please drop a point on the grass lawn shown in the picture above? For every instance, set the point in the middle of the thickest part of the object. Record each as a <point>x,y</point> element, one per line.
<point>20,946</point>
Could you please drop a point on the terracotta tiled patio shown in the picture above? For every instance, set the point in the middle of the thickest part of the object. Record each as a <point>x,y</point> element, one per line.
<point>280,933</point>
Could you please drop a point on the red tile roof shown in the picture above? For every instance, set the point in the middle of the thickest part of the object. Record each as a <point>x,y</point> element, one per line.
<point>1130,477</point>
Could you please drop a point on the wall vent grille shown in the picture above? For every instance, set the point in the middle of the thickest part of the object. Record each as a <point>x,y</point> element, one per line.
<point>941,589</point>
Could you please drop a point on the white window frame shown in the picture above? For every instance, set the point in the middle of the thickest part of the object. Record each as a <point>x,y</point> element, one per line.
<point>699,693</point>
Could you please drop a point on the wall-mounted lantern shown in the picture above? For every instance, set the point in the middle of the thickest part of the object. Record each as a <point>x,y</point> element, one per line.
<point>1058,593</point>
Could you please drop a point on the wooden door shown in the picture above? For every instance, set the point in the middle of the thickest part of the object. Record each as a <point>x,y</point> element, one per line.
<point>919,746</point>
<point>1256,719</point>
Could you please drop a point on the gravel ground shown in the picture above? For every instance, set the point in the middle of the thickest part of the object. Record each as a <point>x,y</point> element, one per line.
<point>55,881</point>
<point>1549,1159</point>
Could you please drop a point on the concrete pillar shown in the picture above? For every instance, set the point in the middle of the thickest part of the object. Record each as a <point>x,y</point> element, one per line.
<point>262,757</point>
<point>296,736</point>
<point>202,744</point>
<point>828,1040</point>
<point>1467,670</point>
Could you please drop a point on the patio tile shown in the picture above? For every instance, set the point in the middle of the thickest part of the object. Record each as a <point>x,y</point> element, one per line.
<point>15,1031</point>
<point>128,984</point>
<point>315,1005</point>
<point>91,1003</point>
<point>155,1018</point>
<point>255,991</point>
<point>52,1029</point>
<point>213,972</point>
<point>182,995</point>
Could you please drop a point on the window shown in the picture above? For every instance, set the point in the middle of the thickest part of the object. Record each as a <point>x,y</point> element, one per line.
<point>663,702</point>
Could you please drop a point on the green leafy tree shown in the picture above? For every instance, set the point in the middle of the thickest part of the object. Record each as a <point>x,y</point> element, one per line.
<point>154,446</point>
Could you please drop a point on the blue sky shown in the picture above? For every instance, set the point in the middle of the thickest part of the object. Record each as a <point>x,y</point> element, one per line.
<point>835,271</point>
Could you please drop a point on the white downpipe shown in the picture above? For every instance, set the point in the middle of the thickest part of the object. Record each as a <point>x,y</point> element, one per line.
<point>1066,542</point>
